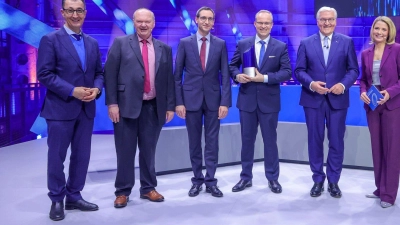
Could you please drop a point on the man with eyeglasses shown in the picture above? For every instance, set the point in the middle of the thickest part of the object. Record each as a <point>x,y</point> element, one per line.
<point>259,99</point>
<point>69,66</point>
<point>326,67</point>
<point>140,98</point>
<point>201,63</point>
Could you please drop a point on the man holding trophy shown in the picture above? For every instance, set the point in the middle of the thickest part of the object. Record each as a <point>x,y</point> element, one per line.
<point>259,97</point>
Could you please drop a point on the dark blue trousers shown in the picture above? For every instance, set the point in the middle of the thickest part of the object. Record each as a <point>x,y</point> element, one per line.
<point>62,134</point>
<point>194,123</point>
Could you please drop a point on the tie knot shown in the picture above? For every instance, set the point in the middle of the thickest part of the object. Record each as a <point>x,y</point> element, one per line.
<point>262,42</point>
<point>326,38</point>
<point>144,41</point>
<point>77,36</point>
<point>204,39</point>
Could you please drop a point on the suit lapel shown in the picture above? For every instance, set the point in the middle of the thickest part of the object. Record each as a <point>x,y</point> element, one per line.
<point>134,43</point>
<point>318,49</point>
<point>211,51</point>
<point>386,53</point>
<point>195,49</point>
<point>157,53</point>
<point>335,42</point>
<point>268,51</point>
<point>65,40</point>
<point>88,49</point>
<point>370,60</point>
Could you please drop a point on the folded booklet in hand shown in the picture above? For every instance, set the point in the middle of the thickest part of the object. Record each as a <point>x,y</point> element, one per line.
<point>374,96</point>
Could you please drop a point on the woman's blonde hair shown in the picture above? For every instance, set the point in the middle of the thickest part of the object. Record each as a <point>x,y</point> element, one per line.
<point>392,29</point>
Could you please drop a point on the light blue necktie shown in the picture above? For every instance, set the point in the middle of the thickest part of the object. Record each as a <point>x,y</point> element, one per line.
<point>262,52</point>
<point>325,49</point>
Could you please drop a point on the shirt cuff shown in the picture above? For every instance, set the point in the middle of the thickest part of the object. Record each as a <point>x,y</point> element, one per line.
<point>344,88</point>
<point>72,92</point>
<point>310,86</point>
<point>266,78</point>
<point>112,105</point>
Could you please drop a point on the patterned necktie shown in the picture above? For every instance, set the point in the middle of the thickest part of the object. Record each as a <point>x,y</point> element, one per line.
<point>203,53</point>
<point>145,56</point>
<point>77,36</point>
<point>325,49</point>
<point>262,52</point>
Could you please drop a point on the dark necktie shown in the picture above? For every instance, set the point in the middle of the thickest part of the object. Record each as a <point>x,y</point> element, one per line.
<point>203,53</point>
<point>77,36</point>
<point>262,52</point>
<point>145,56</point>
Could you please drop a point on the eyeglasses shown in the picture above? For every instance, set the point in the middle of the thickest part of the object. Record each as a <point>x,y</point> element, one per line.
<point>71,11</point>
<point>330,20</point>
<point>204,19</point>
<point>264,24</point>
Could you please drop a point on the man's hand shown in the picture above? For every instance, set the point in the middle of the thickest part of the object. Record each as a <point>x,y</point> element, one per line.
<point>93,93</point>
<point>364,97</point>
<point>169,116</point>
<point>385,98</point>
<point>337,89</point>
<point>243,78</point>
<point>319,87</point>
<point>81,92</point>
<point>180,111</point>
<point>222,112</point>
<point>113,113</point>
<point>258,78</point>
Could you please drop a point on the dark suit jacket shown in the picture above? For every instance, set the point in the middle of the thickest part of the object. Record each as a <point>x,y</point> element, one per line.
<point>192,84</point>
<point>389,73</point>
<point>60,70</point>
<point>342,67</point>
<point>275,63</point>
<point>124,77</point>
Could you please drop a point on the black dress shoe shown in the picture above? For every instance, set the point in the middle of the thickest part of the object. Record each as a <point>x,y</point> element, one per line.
<point>241,185</point>
<point>57,211</point>
<point>317,189</point>
<point>195,190</point>
<point>81,205</point>
<point>334,190</point>
<point>275,186</point>
<point>214,191</point>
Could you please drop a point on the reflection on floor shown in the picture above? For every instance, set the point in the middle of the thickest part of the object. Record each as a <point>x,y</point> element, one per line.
<point>24,200</point>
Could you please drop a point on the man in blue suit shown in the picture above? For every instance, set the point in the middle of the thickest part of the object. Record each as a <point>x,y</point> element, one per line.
<point>200,60</point>
<point>140,98</point>
<point>326,67</point>
<point>259,99</point>
<point>69,66</point>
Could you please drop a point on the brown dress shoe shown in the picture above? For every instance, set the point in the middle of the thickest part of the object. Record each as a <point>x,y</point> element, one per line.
<point>153,196</point>
<point>121,201</point>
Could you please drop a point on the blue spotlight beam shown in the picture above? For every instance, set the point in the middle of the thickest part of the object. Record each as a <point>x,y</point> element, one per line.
<point>21,25</point>
<point>184,14</point>
<point>232,20</point>
<point>123,21</point>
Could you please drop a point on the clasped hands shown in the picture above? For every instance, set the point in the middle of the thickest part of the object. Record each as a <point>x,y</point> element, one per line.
<point>364,97</point>
<point>319,87</point>
<point>85,94</point>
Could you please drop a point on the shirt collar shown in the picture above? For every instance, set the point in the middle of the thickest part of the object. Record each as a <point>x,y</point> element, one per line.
<point>69,31</point>
<point>266,39</point>
<point>199,36</point>
<point>149,39</point>
<point>323,36</point>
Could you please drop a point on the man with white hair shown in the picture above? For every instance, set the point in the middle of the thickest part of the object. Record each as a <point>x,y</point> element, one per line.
<point>326,67</point>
